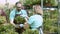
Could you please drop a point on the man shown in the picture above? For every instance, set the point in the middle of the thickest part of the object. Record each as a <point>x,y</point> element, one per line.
<point>17,10</point>
<point>36,20</point>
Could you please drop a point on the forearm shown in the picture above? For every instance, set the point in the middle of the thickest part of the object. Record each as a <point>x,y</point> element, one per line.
<point>26,18</point>
<point>11,21</point>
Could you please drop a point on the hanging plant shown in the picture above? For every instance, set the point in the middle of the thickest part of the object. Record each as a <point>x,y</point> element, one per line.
<point>32,2</point>
<point>54,2</point>
<point>50,2</point>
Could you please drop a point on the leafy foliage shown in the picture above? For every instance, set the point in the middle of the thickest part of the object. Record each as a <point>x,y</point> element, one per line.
<point>7,29</point>
<point>29,31</point>
<point>19,19</point>
<point>32,2</point>
<point>51,2</point>
<point>50,21</point>
<point>2,19</point>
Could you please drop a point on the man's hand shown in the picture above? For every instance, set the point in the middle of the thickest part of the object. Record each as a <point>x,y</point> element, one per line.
<point>17,26</point>
<point>11,21</point>
<point>21,25</point>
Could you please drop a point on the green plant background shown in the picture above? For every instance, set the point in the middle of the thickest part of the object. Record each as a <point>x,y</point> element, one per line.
<point>50,20</point>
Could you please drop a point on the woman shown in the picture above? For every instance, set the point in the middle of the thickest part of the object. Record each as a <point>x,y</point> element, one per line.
<point>36,20</point>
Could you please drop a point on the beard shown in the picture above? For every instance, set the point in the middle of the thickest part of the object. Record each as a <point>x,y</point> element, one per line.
<point>18,10</point>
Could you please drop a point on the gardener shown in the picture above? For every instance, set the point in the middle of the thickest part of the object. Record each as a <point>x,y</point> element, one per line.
<point>36,20</point>
<point>18,11</point>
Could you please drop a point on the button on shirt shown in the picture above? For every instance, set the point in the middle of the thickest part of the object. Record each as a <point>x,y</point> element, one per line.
<point>35,21</point>
<point>14,12</point>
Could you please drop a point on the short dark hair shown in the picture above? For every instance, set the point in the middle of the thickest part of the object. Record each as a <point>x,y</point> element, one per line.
<point>18,3</point>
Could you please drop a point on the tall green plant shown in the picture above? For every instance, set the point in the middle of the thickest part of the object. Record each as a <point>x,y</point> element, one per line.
<point>7,29</point>
<point>50,22</point>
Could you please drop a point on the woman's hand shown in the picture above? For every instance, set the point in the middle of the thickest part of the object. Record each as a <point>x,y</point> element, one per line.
<point>26,26</point>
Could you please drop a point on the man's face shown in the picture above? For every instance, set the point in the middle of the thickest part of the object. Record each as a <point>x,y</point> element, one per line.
<point>18,6</point>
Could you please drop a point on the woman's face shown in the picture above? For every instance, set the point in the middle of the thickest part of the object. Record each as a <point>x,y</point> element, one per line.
<point>35,8</point>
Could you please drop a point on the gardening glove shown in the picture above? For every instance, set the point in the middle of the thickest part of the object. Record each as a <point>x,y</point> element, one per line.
<point>21,25</point>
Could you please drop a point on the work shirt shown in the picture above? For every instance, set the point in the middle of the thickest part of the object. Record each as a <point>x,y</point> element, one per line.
<point>35,21</point>
<point>14,12</point>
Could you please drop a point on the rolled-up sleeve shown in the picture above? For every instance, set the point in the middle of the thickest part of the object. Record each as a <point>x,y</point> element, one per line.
<point>31,20</point>
<point>12,15</point>
<point>24,13</point>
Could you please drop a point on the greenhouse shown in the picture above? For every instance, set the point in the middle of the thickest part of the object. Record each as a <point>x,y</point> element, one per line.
<point>51,17</point>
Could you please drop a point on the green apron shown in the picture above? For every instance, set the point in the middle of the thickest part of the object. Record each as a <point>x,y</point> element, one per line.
<point>19,30</point>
